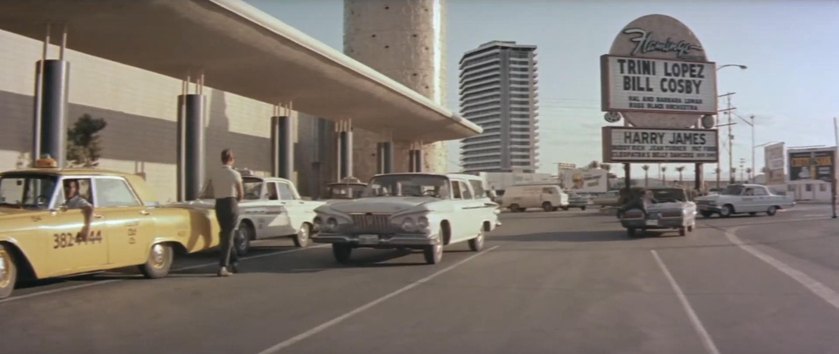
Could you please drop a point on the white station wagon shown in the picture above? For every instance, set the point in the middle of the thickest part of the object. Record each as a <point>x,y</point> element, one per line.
<point>409,210</point>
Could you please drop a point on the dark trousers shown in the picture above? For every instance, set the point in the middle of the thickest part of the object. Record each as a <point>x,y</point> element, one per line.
<point>227,211</point>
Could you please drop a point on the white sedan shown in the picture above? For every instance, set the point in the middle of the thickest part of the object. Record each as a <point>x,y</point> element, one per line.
<point>273,208</point>
<point>409,210</point>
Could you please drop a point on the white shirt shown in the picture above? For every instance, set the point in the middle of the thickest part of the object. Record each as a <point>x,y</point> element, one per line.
<point>77,202</point>
<point>225,179</point>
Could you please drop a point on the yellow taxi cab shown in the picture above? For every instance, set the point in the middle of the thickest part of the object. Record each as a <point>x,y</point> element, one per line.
<point>46,230</point>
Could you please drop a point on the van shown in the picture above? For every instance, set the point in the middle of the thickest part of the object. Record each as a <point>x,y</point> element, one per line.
<point>549,197</point>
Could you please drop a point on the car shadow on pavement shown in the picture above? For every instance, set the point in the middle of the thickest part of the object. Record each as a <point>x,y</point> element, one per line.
<point>584,236</point>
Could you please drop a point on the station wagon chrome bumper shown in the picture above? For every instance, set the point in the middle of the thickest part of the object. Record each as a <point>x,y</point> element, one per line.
<point>377,240</point>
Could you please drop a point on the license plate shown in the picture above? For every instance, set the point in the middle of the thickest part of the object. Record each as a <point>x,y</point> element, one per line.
<point>368,239</point>
<point>652,222</point>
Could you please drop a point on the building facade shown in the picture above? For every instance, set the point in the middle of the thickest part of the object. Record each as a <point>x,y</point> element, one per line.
<point>499,92</point>
<point>405,40</point>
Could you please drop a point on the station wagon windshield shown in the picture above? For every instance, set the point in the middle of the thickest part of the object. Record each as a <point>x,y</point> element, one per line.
<point>408,186</point>
<point>30,191</point>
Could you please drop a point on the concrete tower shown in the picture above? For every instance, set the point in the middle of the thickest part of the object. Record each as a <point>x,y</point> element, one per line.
<point>405,40</point>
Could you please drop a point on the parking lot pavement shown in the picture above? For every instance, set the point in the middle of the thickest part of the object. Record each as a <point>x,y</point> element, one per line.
<point>566,281</point>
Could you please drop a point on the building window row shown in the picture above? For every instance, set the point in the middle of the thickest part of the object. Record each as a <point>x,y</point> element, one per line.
<point>480,59</point>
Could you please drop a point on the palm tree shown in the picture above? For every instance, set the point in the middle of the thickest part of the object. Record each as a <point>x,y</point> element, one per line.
<point>680,169</point>
<point>593,164</point>
<point>749,174</point>
<point>718,171</point>
<point>663,175</point>
<point>733,174</point>
<point>645,168</point>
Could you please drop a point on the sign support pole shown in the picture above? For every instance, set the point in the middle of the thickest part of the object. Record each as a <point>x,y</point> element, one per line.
<point>833,173</point>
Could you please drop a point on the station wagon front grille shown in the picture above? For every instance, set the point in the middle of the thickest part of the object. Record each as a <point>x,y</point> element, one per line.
<point>371,223</point>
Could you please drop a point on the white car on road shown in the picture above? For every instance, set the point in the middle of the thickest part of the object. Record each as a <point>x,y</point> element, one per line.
<point>409,210</point>
<point>743,198</point>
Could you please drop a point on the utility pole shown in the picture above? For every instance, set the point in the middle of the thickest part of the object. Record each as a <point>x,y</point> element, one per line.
<point>833,180</point>
<point>730,138</point>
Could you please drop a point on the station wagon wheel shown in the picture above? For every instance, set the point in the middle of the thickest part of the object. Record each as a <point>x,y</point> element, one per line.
<point>341,252</point>
<point>477,244</point>
<point>302,237</point>
<point>434,253</point>
<point>546,206</point>
<point>630,232</point>
<point>159,262</point>
<point>242,239</point>
<point>8,273</point>
<point>706,214</point>
<point>514,208</point>
<point>726,211</point>
<point>771,211</point>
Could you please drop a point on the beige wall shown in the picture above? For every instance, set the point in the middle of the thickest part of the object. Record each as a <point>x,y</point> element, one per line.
<point>140,109</point>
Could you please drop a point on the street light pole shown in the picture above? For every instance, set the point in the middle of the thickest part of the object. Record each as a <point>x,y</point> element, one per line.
<point>728,112</point>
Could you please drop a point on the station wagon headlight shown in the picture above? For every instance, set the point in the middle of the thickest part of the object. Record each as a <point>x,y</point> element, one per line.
<point>409,225</point>
<point>422,223</point>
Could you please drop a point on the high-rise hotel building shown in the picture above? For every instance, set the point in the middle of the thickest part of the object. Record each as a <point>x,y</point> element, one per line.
<point>498,91</point>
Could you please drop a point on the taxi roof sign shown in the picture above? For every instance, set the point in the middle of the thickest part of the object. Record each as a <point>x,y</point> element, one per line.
<point>46,162</point>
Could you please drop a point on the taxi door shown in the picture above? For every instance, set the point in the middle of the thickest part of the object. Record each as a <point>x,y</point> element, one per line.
<point>129,226</point>
<point>67,251</point>
<point>294,207</point>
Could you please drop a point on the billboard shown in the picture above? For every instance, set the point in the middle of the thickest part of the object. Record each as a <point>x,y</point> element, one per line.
<point>658,85</point>
<point>774,164</point>
<point>584,180</point>
<point>812,164</point>
<point>659,145</point>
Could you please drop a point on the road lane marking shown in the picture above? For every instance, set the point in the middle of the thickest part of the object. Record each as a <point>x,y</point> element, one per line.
<point>824,292</point>
<point>103,282</point>
<point>694,319</point>
<point>320,328</point>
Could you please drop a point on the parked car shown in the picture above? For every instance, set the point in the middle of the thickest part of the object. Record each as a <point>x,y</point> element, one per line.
<point>549,197</point>
<point>409,210</point>
<point>578,201</point>
<point>41,238</point>
<point>743,198</point>
<point>271,208</point>
<point>610,198</point>
<point>347,188</point>
<point>668,208</point>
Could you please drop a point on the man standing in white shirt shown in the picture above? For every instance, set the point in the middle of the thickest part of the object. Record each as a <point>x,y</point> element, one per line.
<point>228,192</point>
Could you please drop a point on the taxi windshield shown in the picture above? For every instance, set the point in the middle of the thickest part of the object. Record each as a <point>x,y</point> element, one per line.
<point>26,191</point>
<point>408,186</point>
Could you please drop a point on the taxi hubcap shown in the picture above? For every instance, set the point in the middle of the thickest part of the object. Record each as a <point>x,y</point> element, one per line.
<point>4,272</point>
<point>304,233</point>
<point>158,254</point>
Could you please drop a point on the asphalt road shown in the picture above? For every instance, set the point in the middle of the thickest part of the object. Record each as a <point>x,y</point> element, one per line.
<point>561,282</point>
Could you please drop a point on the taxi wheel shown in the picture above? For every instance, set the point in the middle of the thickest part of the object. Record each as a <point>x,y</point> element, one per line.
<point>514,208</point>
<point>546,206</point>
<point>683,231</point>
<point>8,273</point>
<point>630,232</point>
<point>706,214</point>
<point>302,238</point>
<point>159,262</point>
<point>771,211</point>
<point>583,208</point>
<point>477,244</point>
<point>341,252</point>
<point>242,239</point>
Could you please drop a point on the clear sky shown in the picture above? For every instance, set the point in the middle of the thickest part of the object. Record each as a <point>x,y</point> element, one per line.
<point>791,49</point>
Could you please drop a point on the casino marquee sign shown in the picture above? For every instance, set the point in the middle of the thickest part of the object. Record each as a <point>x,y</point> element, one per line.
<point>660,145</point>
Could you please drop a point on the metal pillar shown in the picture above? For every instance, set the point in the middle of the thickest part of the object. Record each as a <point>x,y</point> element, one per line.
<point>415,159</point>
<point>190,146</point>
<point>385,157</point>
<point>699,180</point>
<point>51,88</point>
<point>282,147</point>
<point>345,167</point>
<point>627,177</point>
